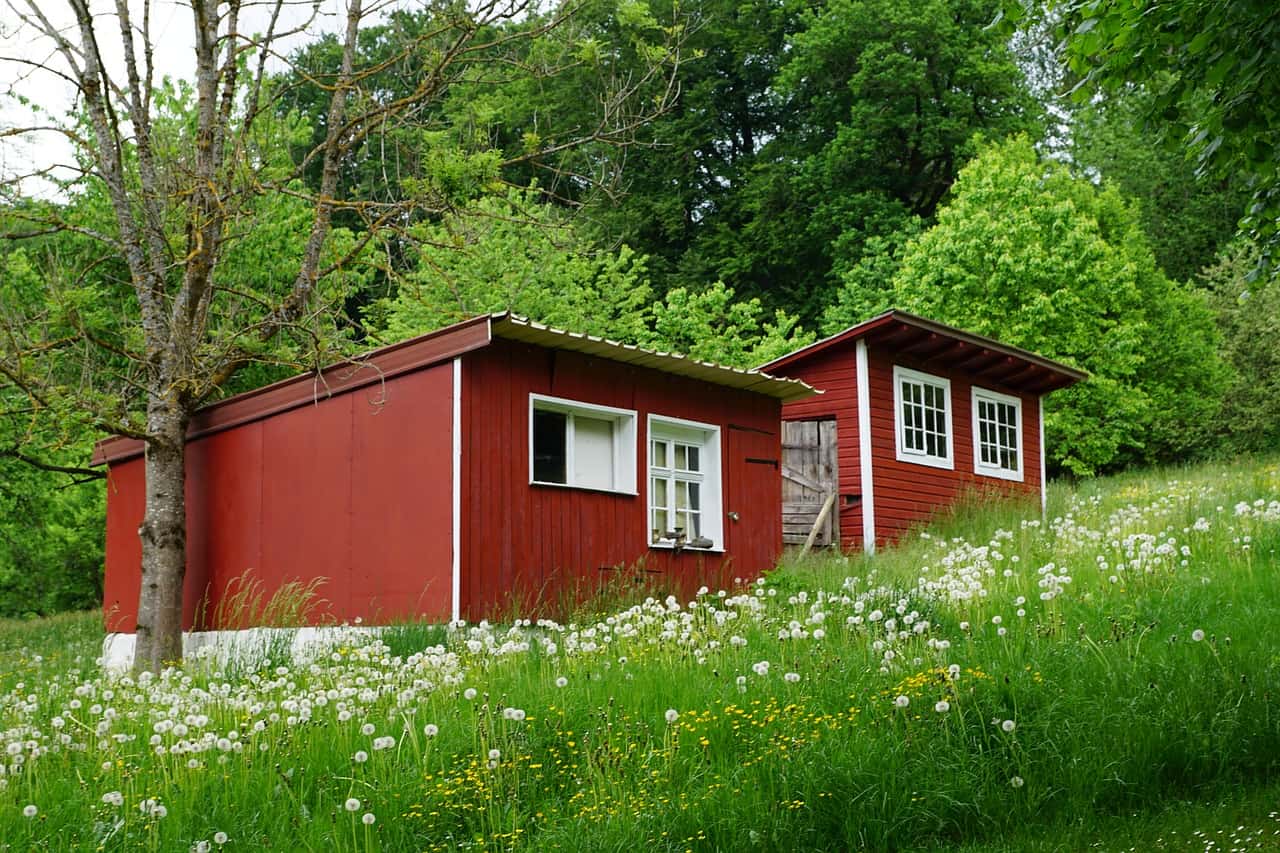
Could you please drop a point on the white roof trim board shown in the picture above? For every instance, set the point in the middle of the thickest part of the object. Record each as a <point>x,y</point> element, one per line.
<point>516,328</point>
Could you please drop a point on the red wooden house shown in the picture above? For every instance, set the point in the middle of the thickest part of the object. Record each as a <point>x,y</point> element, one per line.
<point>485,465</point>
<point>914,412</point>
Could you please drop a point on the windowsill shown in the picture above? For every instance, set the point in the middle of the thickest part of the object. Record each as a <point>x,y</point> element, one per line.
<point>928,461</point>
<point>594,489</point>
<point>999,474</point>
<point>670,546</point>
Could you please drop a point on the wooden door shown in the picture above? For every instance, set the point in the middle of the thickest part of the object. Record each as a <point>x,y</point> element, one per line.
<point>810,479</point>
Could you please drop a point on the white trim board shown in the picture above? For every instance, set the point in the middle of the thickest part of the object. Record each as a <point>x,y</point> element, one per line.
<point>455,608</point>
<point>1044,486</point>
<point>865,465</point>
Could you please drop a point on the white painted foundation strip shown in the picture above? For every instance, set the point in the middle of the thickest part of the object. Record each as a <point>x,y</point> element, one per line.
<point>250,645</point>
<point>864,450</point>
<point>456,607</point>
<point>1044,486</point>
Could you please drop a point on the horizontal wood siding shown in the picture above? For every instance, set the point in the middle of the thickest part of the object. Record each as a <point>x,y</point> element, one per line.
<point>354,489</point>
<point>528,548</point>
<point>834,372</point>
<point>908,494</point>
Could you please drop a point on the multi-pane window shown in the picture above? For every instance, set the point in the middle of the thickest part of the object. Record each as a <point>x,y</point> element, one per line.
<point>684,485</point>
<point>581,445</point>
<point>922,403</point>
<point>997,434</point>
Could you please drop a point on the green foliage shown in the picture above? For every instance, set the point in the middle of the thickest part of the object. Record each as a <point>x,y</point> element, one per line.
<point>1215,74</point>
<point>1186,219</point>
<point>804,131</point>
<point>517,254</point>
<point>1028,253</point>
<point>711,326</point>
<point>1249,318</point>
<point>51,541</point>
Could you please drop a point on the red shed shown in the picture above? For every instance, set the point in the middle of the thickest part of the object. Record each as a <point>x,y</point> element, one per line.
<point>487,465</point>
<point>914,412</point>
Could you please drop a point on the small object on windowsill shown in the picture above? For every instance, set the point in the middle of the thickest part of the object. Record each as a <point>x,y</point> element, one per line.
<point>701,542</point>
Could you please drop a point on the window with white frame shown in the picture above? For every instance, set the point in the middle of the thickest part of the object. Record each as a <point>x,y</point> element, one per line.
<point>684,484</point>
<point>922,407</point>
<point>581,445</point>
<point>997,434</point>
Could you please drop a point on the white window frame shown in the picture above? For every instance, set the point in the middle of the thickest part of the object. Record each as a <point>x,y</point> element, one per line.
<point>979,467</point>
<point>624,442</point>
<point>919,457</point>
<point>712,491</point>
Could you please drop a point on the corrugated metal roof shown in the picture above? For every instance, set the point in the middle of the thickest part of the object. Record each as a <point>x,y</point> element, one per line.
<point>517,328</point>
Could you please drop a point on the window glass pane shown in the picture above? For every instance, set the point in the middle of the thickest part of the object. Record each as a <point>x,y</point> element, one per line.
<point>693,459</point>
<point>682,495</point>
<point>658,494</point>
<point>682,453</point>
<point>549,446</point>
<point>659,454</point>
<point>695,498</point>
<point>592,452</point>
<point>692,524</point>
<point>660,526</point>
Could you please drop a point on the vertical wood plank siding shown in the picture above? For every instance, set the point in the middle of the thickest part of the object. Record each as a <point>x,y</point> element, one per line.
<point>528,546</point>
<point>906,494</point>
<point>354,489</point>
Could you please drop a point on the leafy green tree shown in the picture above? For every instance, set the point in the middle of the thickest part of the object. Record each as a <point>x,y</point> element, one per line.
<point>1214,72</point>
<point>881,102</point>
<point>710,325</point>
<point>516,253</point>
<point>1249,318</point>
<point>523,255</point>
<point>1186,219</point>
<point>1035,256</point>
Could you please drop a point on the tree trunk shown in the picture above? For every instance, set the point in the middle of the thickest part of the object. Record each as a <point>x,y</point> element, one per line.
<point>164,538</point>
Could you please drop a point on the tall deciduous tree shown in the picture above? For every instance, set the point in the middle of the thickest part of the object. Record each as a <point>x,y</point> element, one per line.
<point>1035,256</point>
<point>1214,71</point>
<point>189,176</point>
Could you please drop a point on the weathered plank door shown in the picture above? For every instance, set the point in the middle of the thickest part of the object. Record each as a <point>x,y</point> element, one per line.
<point>810,475</point>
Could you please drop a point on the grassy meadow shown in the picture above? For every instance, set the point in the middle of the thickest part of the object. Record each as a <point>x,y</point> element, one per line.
<point>1106,678</point>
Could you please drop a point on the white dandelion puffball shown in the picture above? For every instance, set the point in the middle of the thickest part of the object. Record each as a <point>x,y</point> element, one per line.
<point>368,819</point>
<point>469,693</point>
<point>360,757</point>
<point>1008,725</point>
<point>902,701</point>
<point>219,838</point>
<point>367,729</point>
<point>203,846</point>
<point>30,811</point>
<point>942,706</point>
<point>431,730</point>
<point>672,715</point>
<point>1197,635</point>
<point>1017,782</point>
<point>562,681</point>
<point>352,805</point>
<point>495,754</point>
<point>792,677</point>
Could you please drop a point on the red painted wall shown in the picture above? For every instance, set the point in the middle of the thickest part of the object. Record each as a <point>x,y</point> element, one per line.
<point>905,493</point>
<point>355,489</point>
<point>524,544</point>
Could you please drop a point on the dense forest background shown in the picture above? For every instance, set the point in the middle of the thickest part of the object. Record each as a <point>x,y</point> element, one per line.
<point>815,164</point>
